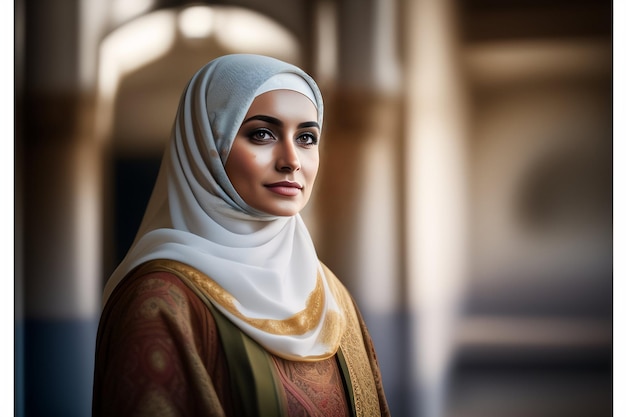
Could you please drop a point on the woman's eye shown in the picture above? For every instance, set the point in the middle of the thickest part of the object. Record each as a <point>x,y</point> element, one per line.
<point>261,136</point>
<point>307,139</point>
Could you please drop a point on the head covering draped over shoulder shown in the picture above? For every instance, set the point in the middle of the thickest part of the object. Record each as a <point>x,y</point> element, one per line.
<point>263,270</point>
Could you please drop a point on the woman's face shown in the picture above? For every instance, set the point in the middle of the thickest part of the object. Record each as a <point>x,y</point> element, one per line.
<point>274,159</point>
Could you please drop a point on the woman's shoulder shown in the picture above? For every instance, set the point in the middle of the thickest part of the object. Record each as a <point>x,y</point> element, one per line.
<point>155,332</point>
<point>150,286</point>
<point>159,296</point>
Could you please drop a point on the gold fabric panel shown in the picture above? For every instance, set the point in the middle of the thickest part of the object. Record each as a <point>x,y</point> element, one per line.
<point>366,401</point>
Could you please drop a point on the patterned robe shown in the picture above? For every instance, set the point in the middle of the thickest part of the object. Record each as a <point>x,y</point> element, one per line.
<point>163,350</point>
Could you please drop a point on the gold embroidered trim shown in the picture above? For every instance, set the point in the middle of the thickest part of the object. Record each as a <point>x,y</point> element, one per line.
<point>366,402</point>
<point>300,323</point>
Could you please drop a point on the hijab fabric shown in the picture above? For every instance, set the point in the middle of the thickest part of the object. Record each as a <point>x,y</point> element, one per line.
<point>264,267</point>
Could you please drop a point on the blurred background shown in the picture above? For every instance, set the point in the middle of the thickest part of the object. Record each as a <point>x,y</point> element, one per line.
<point>465,192</point>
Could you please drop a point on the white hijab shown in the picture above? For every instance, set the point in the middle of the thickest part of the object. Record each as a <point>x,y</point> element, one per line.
<point>265,267</point>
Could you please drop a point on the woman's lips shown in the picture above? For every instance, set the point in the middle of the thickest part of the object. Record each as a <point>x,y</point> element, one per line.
<point>285,188</point>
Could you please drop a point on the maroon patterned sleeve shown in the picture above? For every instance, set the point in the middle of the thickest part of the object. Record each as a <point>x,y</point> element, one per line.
<point>158,353</point>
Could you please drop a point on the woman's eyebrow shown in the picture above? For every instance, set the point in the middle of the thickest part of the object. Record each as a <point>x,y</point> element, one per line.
<point>268,119</point>
<point>309,124</point>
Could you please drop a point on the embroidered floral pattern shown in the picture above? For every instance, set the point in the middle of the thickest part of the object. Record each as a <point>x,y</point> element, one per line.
<point>313,389</point>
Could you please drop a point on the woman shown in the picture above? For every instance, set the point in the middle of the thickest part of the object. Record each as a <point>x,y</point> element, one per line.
<point>221,306</point>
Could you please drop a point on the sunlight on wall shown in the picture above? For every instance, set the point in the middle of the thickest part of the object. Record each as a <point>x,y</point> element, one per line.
<point>122,10</point>
<point>436,198</point>
<point>377,246</point>
<point>133,46</point>
<point>385,63</point>
<point>500,62</point>
<point>88,246</point>
<point>126,49</point>
<point>245,30</point>
<point>196,21</point>
<point>326,59</point>
<point>150,37</point>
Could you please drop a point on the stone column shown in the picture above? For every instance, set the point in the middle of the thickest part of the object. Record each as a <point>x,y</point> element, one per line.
<point>358,201</point>
<point>436,194</point>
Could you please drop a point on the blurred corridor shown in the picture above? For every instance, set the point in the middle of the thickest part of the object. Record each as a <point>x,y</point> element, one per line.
<point>464,197</point>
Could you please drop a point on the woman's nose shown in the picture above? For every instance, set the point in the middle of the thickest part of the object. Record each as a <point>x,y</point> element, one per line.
<point>287,158</point>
